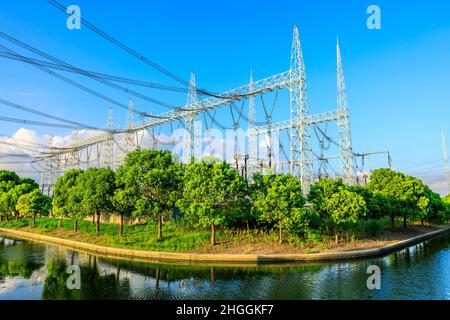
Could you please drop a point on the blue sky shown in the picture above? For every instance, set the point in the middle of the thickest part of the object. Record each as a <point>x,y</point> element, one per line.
<point>397,77</point>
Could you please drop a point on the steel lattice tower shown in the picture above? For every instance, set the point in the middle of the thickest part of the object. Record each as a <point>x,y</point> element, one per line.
<point>300,145</point>
<point>191,147</point>
<point>345,139</point>
<point>447,167</point>
<point>50,171</point>
<point>252,139</point>
<point>74,157</point>
<point>107,154</point>
<point>129,136</point>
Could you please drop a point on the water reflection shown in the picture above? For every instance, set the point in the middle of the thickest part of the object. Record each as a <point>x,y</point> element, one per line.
<point>38,271</point>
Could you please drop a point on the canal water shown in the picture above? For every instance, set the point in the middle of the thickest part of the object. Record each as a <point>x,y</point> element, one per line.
<point>30,270</point>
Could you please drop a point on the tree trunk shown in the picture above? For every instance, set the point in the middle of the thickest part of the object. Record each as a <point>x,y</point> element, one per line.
<point>97,227</point>
<point>213,234</point>
<point>1,218</point>
<point>159,227</point>
<point>157,276</point>
<point>7,217</point>
<point>121,225</point>
<point>17,215</point>
<point>75,227</point>
<point>336,235</point>
<point>34,220</point>
<point>392,221</point>
<point>93,219</point>
<point>280,234</point>
<point>404,220</point>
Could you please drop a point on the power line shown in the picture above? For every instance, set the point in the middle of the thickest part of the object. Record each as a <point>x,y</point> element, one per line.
<point>21,147</point>
<point>46,115</point>
<point>105,76</point>
<point>38,123</point>
<point>80,86</point>
<point>15,155</point>
<point>75,69</point>
<point>140,57</point>
<point>26,141</point>
<point>422,164</point>
<point>122,45</point>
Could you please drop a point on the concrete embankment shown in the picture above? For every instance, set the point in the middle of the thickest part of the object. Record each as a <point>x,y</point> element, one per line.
<point>172,257</point>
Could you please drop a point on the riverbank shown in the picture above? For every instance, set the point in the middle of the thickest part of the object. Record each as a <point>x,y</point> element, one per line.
<point>348,252</point>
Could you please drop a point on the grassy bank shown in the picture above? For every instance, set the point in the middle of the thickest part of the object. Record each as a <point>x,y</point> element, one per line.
<point>180,239</point>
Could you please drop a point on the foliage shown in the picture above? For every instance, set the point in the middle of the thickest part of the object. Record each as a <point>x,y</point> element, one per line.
<point>68,196</point>
<point>97,189</point>
<point>152,181</point>
<point>211,192</point>
<point>182,200</point>
<point>345,206</point>
<point>322,190</point>
<point>33,203</point>
<point>282,203</point>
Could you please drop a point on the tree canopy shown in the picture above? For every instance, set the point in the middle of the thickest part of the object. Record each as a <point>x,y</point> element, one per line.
<point>34,203</point>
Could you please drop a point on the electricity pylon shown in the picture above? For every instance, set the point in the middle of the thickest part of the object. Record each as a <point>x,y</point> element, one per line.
<point>130,142</point>
<point>191,139</point>
<point>107,154</point>
<point>252,139</point>
<point>345,138</point>
<point>300,145</point>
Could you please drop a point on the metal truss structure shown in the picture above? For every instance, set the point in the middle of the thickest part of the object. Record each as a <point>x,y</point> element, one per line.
<point>299,125</point>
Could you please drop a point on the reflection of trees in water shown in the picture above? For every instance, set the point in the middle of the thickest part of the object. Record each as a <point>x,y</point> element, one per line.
<point>5,242</point>
<point>19,259</point>
<point>93,284</point>
<point>181,282</point>
<point>22,268</point>
<point>103,278</point>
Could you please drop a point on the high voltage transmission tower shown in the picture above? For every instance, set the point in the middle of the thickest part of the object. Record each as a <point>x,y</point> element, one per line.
<point>130,136</point>
<point>107,151</point>
<point>299,126</point>
<point>345,138</point>
<point>252,141</point>
<point>191,139</point>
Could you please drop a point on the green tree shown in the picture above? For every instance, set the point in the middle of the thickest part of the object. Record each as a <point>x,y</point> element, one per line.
<point>15,193</point>
<point>402,192</point>
<point>322,190</point>
<point>4,206</point>
<point>447,198</point>
<point>434,209</point>
<point>98,186</point>
<point>68,196</point>
<point>152,180</point>
<point>34,203</point>
<point>123,204</point>
<point>377,204</point>
<point>11,188</point>
<point>211,191</point>
<point>282,201</point>
<point>8,179</point>
<point>343,207</point>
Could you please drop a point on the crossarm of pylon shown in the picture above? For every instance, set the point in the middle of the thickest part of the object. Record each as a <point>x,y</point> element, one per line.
<point>323,117</point>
